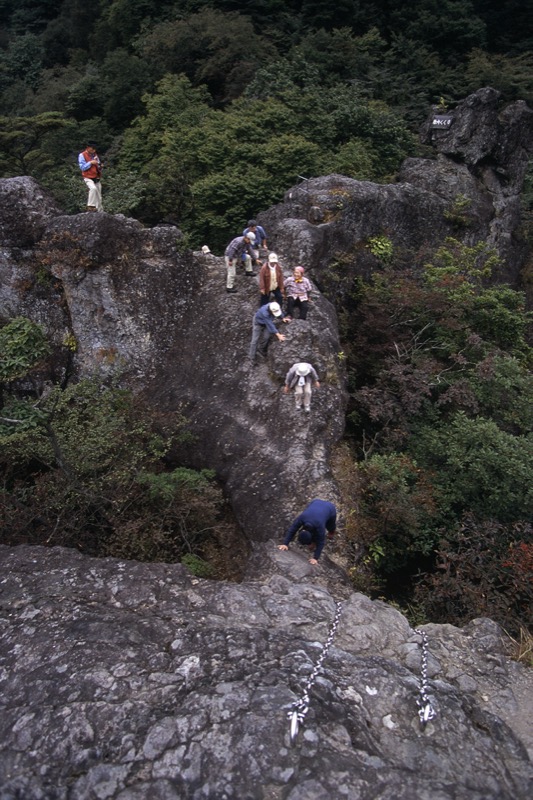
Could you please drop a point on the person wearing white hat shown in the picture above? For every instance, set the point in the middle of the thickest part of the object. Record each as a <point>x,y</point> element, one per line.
<point>262,328</point>
<point>233,253</point>
<point>271,280</point>
<point>300,377</point>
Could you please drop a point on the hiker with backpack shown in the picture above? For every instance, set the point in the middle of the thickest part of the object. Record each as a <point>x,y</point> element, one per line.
<point>91,171</point>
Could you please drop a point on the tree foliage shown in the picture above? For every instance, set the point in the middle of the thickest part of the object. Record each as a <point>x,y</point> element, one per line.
<point>352,80</point>
<point>83,467</point>
<point>441,419</point>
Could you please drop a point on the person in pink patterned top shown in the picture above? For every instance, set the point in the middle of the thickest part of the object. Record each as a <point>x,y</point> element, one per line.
<point>297,291</point>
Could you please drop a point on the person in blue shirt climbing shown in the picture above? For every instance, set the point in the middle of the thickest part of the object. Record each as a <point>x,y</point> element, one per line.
<point>259,233</point>
<point>262,328</point>
<point>312,525</point>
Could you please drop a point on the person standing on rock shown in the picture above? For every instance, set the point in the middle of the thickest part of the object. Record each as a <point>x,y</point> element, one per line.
<point>271,281</point>
<point>259,233</point>
<point>316,521</point>
<point>241,246</point>
<point>91,171</point>
<point>300,377</point>
<point>297,290</point>
<point>262,328</point>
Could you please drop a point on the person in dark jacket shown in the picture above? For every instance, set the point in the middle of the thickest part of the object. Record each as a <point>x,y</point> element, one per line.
<point>262,328</point>
<point>312,525</point>
<point>259,233</point>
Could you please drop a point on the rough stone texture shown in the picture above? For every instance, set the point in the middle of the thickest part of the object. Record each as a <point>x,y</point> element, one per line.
<point>25,211</point>
<point>483,157</point>
<point>126,290</point>
<point>139,304</point>
<point>24,230</point>
<point>131,681</point>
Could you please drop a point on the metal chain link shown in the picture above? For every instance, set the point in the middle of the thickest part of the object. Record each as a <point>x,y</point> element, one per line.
<point>300,707</point>
<point>426,710</point>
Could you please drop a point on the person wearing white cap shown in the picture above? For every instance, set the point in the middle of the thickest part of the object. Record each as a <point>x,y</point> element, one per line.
<point>233,253</point>
<point>300,377</point>
<point>271,280</point>
<point>262,328</point>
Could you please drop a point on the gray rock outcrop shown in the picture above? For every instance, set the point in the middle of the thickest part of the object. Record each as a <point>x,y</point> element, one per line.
<point>469,190</point>
<point>129,681</point>
<point>138,303</point>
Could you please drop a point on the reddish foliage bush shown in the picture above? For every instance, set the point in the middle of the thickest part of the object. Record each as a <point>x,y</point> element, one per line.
<point>483,568</point>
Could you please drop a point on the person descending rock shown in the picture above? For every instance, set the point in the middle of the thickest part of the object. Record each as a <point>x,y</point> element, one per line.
<point>262,327</point>
<point>271,281</point>
<point>297,290</point>
<point>300,377</point>
<point>91,171</point>
<point>319,517</point>
<point>235,250</point>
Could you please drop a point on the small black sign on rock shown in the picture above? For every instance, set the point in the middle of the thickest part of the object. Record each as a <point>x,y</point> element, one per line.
<point>441,122</point>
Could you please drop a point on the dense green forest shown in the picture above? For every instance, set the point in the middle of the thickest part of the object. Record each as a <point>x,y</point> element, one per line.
<point>205,113</point>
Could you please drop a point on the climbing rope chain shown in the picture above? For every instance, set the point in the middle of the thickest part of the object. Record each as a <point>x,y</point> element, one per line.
<point>426,711</point>
<point>299,709</point>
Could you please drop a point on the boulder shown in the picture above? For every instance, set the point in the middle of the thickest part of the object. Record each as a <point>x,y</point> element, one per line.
<point>469,190</point>
<point>129,681</point>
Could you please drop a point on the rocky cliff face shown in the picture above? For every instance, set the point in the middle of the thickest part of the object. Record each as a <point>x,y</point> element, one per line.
<point>131,681</point>
<point>139,303</point>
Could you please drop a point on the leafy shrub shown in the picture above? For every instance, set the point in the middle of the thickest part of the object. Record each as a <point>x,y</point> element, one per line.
<point>88,473</point>
<point>397,505</point>
<point>477,467</point>
<point>23,345</point>
<point>441,415</point>
<point>457,213</point>
<point>483,568</point>
<point>197,565</point>
<point>382,248</point>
